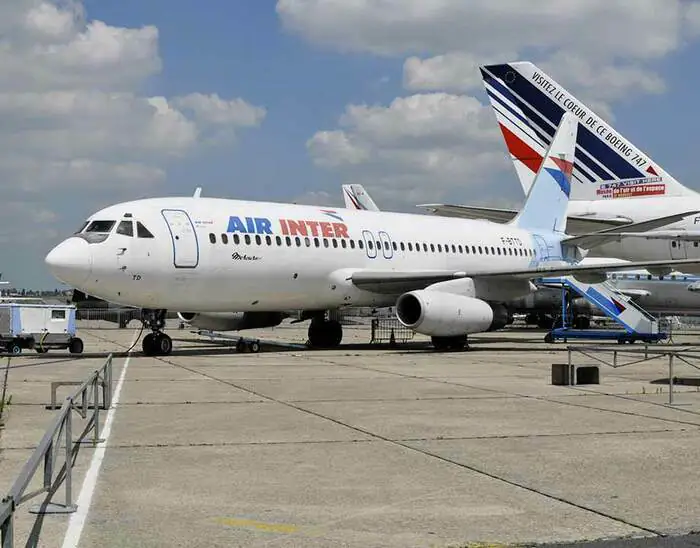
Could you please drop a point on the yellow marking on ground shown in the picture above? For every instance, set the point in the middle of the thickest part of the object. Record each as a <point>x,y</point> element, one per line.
<point>261,526</point>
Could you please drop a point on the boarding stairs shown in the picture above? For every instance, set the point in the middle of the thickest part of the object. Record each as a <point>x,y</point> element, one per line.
<point>614,304</point>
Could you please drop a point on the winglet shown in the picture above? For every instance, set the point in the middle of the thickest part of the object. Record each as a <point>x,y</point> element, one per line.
<point>545,206</point>
<point>197,192</point>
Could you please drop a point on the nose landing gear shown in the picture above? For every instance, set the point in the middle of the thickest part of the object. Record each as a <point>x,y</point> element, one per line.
<point>156,343</point>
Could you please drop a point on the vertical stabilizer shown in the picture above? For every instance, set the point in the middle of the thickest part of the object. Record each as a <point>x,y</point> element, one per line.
<point>529,104</point>
<point>545,206</point>
<point>356,197</point>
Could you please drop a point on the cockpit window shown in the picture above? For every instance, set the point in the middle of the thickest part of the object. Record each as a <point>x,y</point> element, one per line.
<point>100,226</point>
<point>142,231</point>
<point>126,228</point>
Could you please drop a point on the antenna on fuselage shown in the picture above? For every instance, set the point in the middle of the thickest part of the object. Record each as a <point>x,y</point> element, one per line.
<point>197,192</point>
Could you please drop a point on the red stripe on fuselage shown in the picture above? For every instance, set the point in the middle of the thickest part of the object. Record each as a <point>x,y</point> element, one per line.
<point>521,150</point>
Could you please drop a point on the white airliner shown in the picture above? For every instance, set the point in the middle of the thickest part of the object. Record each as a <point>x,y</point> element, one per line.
<point>446,277</point>
<point>614,182</point>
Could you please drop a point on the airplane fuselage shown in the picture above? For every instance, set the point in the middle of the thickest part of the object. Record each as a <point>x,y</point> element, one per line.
<point>216,255</point>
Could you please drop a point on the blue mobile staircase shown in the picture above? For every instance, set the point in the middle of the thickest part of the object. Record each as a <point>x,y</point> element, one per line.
<point>637,323</point>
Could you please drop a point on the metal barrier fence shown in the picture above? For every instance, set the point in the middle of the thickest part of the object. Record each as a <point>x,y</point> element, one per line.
<point>390,330</point>
<point>58,436</point>
<point>649,354</point>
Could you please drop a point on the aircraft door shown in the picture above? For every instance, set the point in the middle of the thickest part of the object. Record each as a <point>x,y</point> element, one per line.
<point>184,238</point>
<point>387,249</point>
<point>678,249</point>
<point>370,244</point>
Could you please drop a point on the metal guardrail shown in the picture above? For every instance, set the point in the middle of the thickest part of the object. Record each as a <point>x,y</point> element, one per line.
<point>649,354</point>
<point>58,435</point>
<point>390,330</point>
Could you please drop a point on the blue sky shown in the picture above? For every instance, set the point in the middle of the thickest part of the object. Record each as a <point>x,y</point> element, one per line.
<point>305,63</point>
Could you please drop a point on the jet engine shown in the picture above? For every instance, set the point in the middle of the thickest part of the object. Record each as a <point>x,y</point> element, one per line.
<point>441,314</point>
<point>231,321</point>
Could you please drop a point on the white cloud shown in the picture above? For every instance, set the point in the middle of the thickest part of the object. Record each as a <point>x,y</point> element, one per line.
<point>396,27</point>
<point>73,116</point>
<point>415,149</point>
<point>70,105</point>
<point>212,109</point>
<point>601,50</point>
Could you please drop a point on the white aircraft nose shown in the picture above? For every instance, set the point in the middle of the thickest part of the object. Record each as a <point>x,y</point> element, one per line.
<point>70,261</point>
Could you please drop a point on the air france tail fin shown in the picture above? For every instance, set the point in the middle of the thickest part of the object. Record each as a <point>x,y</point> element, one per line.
<point>545,206</point>
<point>529,104</point>
<point>356,197</point>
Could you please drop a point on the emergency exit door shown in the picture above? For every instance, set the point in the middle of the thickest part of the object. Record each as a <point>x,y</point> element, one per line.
<point>184,238</point>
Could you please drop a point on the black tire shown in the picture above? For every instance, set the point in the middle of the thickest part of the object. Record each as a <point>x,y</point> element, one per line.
<point>254,347</point>
<point>325,334</point>
<point>75,346</point>
<point>148,344</point>
<point>14,348</point>
<point>163,344</point>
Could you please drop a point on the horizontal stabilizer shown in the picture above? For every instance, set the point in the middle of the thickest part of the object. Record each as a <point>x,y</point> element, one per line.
<point>594,239</point>
<point>575,224</point>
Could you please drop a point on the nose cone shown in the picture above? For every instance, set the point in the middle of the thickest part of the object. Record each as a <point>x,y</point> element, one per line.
<point>70,261</point>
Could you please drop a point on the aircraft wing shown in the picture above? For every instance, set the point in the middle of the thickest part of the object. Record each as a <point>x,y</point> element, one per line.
<point>588,241</point>
<point>574,224</point>
<point>395,281</point>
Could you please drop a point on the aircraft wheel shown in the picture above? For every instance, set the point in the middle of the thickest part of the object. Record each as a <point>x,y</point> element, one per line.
<point>325,334</point>
<point>254,347</point>
<point>75,346</point>
<point>14,348</point>
<point>163,344</point>
<point>148,344</point>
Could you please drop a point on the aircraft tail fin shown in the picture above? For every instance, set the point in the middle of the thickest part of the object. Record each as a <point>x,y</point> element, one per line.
<point>356,197</point>
<point>528,104</point>
<point>546,203</point>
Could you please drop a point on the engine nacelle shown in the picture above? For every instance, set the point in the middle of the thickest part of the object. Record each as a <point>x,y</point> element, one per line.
<point>231,321</point>
<point>440,314</point>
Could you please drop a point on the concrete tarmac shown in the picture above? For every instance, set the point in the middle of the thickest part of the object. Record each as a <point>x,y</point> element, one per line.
<point>367,446</point>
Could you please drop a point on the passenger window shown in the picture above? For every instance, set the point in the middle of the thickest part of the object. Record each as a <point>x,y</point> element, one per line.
<point>325,242</point>
<point>317,243</point>
<point>307,241</point>
<point>360,244</point>
<point>212,238</point>
<point>268,240</point>
<point>236,239</point>
<point>288,241</point>
<point>58,314</point>
<point>126,228</point>
<point>258,239</point>
<point>335,243</point>
<point>297,240</point>
<point>247,239</point>
<point>396,248</point>
<point>370,244</point>
<point>352,244</point>
<point>224,238</point>
<point>278,240</point>
<point>343,243</point>
<point>432,248</point>
<point>142,231</point>
<point>403,246</point>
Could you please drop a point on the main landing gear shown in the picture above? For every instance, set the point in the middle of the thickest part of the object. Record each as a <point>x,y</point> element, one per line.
<point>156,343</point>
<point>325,333</point>
<point>458,342</point>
